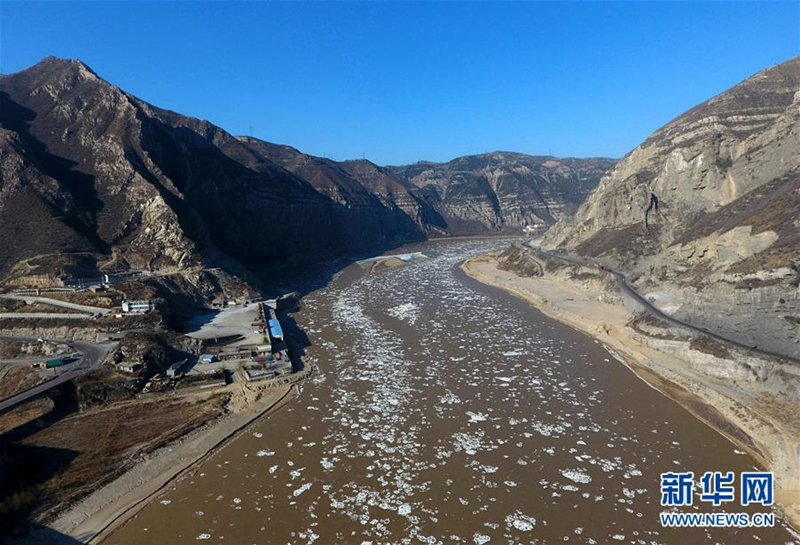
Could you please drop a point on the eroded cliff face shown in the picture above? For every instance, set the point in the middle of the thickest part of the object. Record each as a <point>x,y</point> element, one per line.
<point>504,191</point>
<point>703,215</point>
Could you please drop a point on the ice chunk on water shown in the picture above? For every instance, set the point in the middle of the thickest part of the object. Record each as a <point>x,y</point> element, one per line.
<point>408,312</point>
<point>301,489</point>
<point>450,398</point>
<point>576,475</point>
<point>523,523</point>
<point>476,417</point>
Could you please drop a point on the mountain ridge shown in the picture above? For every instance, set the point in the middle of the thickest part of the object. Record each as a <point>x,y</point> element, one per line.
<point>92,171</point>
<point>704,211</point>
<point>506,190</point>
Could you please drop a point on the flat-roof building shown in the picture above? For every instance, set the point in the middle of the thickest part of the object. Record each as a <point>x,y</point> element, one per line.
<point>137,307</point>
<point>275,330</point>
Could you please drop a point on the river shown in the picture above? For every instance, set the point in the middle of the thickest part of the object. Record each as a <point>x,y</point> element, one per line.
<point>448,411</point>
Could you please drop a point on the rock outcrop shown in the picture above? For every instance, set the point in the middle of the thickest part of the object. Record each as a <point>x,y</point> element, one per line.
<point>703,215</point>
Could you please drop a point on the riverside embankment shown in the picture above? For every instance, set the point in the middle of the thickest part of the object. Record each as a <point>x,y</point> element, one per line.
<point>97,515</point>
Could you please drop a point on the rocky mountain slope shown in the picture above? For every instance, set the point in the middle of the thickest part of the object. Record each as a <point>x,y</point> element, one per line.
<point>91,172</point>
<point>93,178</point>
<point>704,213</point>
<point>504,191</point>
<point>353,181</point>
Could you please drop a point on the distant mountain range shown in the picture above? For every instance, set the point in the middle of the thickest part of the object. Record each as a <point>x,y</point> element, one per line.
<point>504,191</point>
<point>92,177</point>
<point>707,212</point>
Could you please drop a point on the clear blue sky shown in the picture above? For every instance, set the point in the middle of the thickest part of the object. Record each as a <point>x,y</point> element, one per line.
<point>399,82</point>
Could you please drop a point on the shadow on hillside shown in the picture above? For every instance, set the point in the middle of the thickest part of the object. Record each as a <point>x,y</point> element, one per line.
<point>37,534</point>
<point>29,472</point>
<point>81,186</point>
<point>27,475</point>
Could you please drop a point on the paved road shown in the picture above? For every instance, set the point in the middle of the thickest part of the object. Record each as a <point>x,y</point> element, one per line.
<point>27,361</point>
<point>40,315</point>
<point>648,307</point>
<point>91,357</point>
<point>57,303</point>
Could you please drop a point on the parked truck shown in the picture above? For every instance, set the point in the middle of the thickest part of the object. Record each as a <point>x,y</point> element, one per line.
<point>57,362</point>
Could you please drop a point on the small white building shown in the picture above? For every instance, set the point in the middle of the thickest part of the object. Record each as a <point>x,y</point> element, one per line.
<point>137,307</point>
<point>130,367</point>
<point>531,229</point>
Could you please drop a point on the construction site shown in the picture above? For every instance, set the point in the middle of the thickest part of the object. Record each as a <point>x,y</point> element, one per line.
<point>127,325</point>
<point>245,341</point>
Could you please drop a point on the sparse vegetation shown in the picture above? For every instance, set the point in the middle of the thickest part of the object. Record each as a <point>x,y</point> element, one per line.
<point>703,343</point>
<point>75,455</point>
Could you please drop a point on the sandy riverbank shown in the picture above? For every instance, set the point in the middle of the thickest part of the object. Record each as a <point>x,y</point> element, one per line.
<point>97,516</point>
<point>757,422</point>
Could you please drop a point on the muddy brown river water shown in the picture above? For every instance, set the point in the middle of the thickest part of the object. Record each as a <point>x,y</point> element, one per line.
<point>448,411</point>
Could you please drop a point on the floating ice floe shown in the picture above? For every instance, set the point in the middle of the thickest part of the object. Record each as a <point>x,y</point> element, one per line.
<point>301,489</point>
<point>470,444</point>
<point>476,417</point>
<point>326,464</point>
<point>521,522</point>
<point>407,312</point>
<point>450,398</point>
<point>576,475</point>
